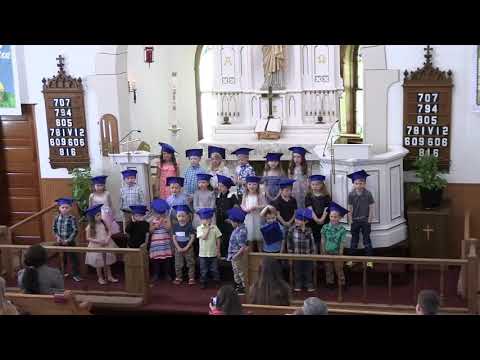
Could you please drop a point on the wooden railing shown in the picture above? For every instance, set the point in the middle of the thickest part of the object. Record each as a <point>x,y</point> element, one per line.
<point>469,250</point>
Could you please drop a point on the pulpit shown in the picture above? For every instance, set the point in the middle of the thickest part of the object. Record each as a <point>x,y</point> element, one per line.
<point>140,161</point>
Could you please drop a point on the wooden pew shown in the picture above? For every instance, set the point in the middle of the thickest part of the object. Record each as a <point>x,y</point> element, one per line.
<point>58,304</point>
<point>253,309</point>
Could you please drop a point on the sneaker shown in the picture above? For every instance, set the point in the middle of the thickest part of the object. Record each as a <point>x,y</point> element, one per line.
<point>77,278</point>
<point>297,290</point>
<point>241,290</point>
<point>311,289</point>
<point>66,275</point>
<point>349,264</point>
<point>370,265</point>
<point>191,282</point>
<point>113,280</point>
<point>177,281</point>
<point>102,282</point>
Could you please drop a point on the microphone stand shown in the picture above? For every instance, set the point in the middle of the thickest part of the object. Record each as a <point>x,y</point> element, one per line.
<point>129,141</point>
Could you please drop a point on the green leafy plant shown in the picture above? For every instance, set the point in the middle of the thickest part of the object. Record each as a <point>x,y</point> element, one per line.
<point>81,188</point>
<point>426,170</point>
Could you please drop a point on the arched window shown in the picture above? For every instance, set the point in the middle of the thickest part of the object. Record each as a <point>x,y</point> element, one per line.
<point>351,104</point>
<point>109,134</point>
<point>204,84</point>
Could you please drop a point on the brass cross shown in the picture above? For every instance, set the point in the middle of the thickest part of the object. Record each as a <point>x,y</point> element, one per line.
<point>428,54</point>
<point>321,59</point>
<point>228,60</point>
<point>270,97</point>
<point>60,64</point>
<point>428,230</point>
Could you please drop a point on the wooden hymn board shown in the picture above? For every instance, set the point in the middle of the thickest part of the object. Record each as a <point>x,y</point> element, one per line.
<point>427,109</point>
<point>67,131</point>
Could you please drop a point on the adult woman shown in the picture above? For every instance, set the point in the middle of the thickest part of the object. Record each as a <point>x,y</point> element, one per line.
<point>37,277</point>
<point>217,165</point>
<point>6,307</point>
<point>226,302</point>
<point>270,288</point>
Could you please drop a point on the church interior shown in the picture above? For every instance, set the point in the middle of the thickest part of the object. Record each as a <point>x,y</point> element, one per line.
<point>79,122</point>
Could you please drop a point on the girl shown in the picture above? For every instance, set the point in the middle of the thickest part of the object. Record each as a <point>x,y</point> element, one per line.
<point>217,166</point>
<point>226,302</point>
<point>100,195</point>
<point>272,174</point>
<point>98,235</point>
<point>317,200</point>
<point>160,242</point>
<point>225,201</point>
<point>6,307</point>
<point>204,197</point>
<point>252,203</point>
<point>298,171</point>
<point>167,167</point>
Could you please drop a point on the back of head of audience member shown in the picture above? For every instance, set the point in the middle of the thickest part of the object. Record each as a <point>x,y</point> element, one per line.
<point>428,302</point>
<point>314,306</point>
<point>35,257</point>
<point>270,287</point>
<point>228,301</point>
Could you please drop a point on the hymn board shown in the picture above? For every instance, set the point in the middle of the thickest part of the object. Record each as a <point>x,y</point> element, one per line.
<point>67,131</point>
<point>427,108</point>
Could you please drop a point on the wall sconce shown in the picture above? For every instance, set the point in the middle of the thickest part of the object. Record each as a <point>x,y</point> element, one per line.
<point>148,55</point>
<point>132,88</point>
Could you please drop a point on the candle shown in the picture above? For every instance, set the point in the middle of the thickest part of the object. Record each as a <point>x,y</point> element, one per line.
<point>173,94</point>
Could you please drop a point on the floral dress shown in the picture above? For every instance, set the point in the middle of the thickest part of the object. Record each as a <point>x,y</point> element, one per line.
<point>163,172</point>
<point>107,211</point>
<point>98,259</point>
<point>300,187</point>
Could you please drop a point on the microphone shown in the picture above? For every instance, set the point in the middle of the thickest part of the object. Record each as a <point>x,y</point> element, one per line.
<point>131,131</point>
<point>328,137</point>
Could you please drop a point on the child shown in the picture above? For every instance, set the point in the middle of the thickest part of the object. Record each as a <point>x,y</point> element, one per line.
<point>204,197</point>
<point>286,204</point>
<point>131,194</point>
<point>242,170</point>
<point>217,167</point>
<point>224,202</point>
<point>333,237</point>
<point>98,235</point>
<point>101,196</point>
<point>360,212</point>
<point>272,175</point>
<point>177,196</point>
<point>298,170</point>
<point>160,243</point>
<point>317,200</point>
<point>190,175</point>
<point>209,238</point>
<point>138,229</point>
<point>273,232</point>
<point>183,236</point>
<point>166,167</point>
<point>300,241</point>
<point>237,248</point>
<point>65,229</point>
<point>252,203</point>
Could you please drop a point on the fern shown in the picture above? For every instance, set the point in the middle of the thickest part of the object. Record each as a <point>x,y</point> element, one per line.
<point>426,169</point>
<point>81,179</point>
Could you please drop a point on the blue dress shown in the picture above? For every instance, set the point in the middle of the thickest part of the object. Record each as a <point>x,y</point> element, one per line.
<point>272,187</point>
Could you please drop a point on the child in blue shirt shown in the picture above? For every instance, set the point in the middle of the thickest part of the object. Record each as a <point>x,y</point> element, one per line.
<point>183,236</point>
<point>237,248</point>
<point>273,232</point>
<point>177,196</point>
<point>190,174</point>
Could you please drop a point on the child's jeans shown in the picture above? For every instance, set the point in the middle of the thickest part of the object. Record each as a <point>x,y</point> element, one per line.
<point>355,229</point>
<point>209,265</point>
<point>73,260</point>
<point>181,259</point>
<point>162,267</point>
<point>303,273</point>
<point>239,269</point>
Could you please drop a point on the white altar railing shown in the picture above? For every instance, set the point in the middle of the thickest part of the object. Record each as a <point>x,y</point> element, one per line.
<point>321,103</point>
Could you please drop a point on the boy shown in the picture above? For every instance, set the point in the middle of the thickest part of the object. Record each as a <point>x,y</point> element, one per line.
<point>183,236</point>
<point>242,170</point>
<point>177,197</point>
<point>286,204</point>
<point>237,248</point>
<point>190,175</point>
<point>138,229</point>
<point>332,241</point>
<point>65,229</point>
<point>273,233</point>
<point>224,202</point>
<point>428,303</point>
<point>300,241</point>
<point>360,211</point>
<point>209,238</point>
<point>131,194</point>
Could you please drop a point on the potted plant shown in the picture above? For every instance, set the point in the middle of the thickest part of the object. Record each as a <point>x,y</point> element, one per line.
<point>431,184</point>
<point>81,189</point>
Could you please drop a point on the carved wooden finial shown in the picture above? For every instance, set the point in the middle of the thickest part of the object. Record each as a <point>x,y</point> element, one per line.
<point>428,55</point>
<point>60,64</point>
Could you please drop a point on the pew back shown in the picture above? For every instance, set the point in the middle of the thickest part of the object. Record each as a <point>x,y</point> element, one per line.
<point>47,304</point>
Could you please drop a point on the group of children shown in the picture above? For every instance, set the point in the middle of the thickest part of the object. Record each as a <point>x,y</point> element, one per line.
<point>274,213</point>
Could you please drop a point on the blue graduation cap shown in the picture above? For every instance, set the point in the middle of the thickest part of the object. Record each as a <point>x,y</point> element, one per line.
<point>138,209</point>
<point>361,174</point>
<point>285,183</point>
<point>183,208</point>
<point>64,201</point>
<point>273,156</point>
<point>175,180</point>
<point>216,149</point>
<point>337,208</point>
<point>298,150</point>
<point>99,179</point>
<point>129,172</point>
<point>160,206</point>
<point>167,148</point>
<point>194,152</point>
<point>236,214</point>
<point>206,213</point>
<point>94,210</point>
<point>253,179</point>
<point>317,178</point>
<point>241,151</point>
<point>203,177</point>
<point>303,214</point>
<point>272,233</point>
<point>225,180</point>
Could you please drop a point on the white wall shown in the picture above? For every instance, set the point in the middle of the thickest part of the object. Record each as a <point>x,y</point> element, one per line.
<point>465,128</point>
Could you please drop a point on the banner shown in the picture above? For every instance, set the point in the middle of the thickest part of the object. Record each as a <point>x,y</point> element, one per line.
<point>9,93</point>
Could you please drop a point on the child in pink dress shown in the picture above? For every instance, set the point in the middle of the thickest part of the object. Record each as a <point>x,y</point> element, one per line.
<point>167,167</point>
<point>101,196</point>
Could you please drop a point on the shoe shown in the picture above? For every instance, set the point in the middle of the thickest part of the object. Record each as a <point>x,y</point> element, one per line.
<point>370,265</point>
<point>154,279</point>
<point>177,281</point>
<point>311,289</point>
<point>331,286</point>
<point>102,282</point>
<point>168,278</point>
<point>65,275</point>
<point>349,264</point>
<point>297,290</point>
<point>113,280</point>
<point>191,282</point>
<point>77,278</point>
<point>241,290</point>
<point>203,286</point>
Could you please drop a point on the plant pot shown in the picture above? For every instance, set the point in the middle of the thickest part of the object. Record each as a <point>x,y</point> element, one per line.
<point>431,198</point>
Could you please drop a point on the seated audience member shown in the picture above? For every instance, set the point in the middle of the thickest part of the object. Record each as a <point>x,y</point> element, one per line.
<point>6,307</point>
<point>37,277</point>
<point>313,306</point>
<point>270,288</point>
<point>227,302</point>
<point>428,303</point>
